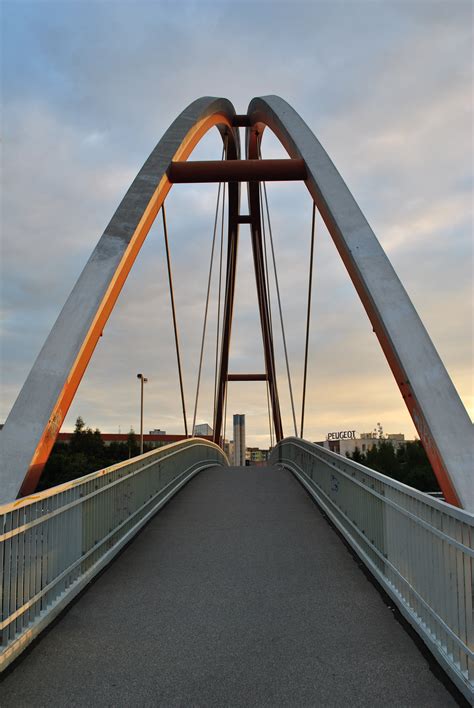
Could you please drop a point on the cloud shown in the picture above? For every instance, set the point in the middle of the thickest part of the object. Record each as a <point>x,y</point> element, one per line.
<point>387,87</point>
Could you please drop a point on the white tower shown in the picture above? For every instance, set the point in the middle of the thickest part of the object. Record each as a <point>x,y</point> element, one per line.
<point>239,440</point>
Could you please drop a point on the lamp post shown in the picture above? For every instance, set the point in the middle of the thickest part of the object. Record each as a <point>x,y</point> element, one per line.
<point>143,381</point>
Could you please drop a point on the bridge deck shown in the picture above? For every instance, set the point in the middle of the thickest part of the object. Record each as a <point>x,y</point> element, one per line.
<point>237,593</point>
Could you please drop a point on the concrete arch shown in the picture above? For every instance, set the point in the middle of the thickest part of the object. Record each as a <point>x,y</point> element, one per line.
<point>429,394</point>
<point>36,417</point>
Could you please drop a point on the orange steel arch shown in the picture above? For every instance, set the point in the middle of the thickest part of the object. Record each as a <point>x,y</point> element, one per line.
<point>435,407</point>
<point>26,441</point>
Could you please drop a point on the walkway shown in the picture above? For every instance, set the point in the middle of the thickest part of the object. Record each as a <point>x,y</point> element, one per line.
<point>238,593</point>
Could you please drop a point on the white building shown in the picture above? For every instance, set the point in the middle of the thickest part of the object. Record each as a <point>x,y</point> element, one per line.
<point>228,447</point>
<point>345,441</point>
<point>203,429</point>
<point>239,440</point>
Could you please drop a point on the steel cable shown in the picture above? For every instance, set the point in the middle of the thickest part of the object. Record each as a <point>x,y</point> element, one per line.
<point>173,310</point>
<point>225,413</point>
<point>265,261</point>
<point>308,315</point>
<point>269,415</point>
<point>219,291</point>
<point>277,286</point>
<point>206,309</point>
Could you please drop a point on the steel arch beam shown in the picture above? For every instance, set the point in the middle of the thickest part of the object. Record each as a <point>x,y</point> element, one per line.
<point>439,416</point>
<point>36,417</point>
<point>255,211</point>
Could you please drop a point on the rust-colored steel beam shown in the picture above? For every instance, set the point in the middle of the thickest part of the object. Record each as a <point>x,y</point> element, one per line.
<point>263,306</point>
<point>247,377</point>
<point>181,172</point>
<point>233,241</point>
<point>262,292</point>
<point>241,120</point>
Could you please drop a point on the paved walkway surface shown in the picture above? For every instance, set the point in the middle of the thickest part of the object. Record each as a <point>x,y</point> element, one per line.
<point>238,593</point>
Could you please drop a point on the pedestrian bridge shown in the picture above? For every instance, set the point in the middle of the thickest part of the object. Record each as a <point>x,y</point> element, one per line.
<point>241,591</point>
<point>273,586</point>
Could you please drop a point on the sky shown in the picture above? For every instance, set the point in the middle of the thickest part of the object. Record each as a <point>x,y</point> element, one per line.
<point>88,89</point>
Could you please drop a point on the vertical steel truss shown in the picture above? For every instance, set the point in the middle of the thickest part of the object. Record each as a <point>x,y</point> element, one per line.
<point>263,304</point>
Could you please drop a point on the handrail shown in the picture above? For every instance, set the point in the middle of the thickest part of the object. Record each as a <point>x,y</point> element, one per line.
<point>426,498</point>
<point>53,491</point>
<point>54,542</point>
<point>419,548</point>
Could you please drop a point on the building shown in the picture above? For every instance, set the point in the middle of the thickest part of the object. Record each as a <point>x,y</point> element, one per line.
<point>157,431</point>
<point>345,442</point>
<point>228,447</point>
<point>203,430</point>
<point>239,440</point>
<point>256,456</point>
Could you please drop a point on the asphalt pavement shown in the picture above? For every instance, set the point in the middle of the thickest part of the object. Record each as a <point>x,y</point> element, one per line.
<point>237,593</point>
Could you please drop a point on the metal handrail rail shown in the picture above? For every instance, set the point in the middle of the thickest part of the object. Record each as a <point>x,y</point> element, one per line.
<point>419,548</point>
<point>73,565</point>
<point>98,513</point>
<point>461,514</point>
<point>53,491</point>
<point>383,558</point>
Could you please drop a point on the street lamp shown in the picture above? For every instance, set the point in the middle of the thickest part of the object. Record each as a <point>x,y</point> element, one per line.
<point>143,381</point>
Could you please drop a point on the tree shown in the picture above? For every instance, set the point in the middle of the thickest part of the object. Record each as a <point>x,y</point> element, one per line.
<point>85,453</point>
<point>357,456</point>
<point>77,437</point>
<point>132,444</point>
<point>416,468</point>
<point>408,463</point>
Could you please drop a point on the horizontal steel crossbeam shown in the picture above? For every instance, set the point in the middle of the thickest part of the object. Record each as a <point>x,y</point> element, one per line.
<point>180,172</point>
<point>247,377</point>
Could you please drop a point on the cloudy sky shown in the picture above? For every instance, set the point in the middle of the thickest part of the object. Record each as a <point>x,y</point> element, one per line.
<point>89,87</point>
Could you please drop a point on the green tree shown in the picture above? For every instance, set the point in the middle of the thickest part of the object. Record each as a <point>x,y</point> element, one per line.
<point>85,453</point>
<point>132,444</point>
<point>408,463</point>
<point>357,456</point>
<point>77,438</point>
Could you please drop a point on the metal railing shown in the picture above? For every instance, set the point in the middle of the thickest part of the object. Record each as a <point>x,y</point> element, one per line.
<point>419,548</point>
<point>54,542</point>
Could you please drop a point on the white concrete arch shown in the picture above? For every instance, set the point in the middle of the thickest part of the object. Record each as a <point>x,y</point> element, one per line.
<point>430,396</point>
<point>36,417</point>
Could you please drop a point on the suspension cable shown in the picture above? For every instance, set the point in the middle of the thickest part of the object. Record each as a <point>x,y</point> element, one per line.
<point>279,306</point>
<point>175,325</point>
<point>269,415</point>
<point>219,299</point>
<point>265,261</point>
<point>219,291</point>
<point>308,315</point>
<point>225,413</point>
<point>206,309</point>
<point>267,276</point>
